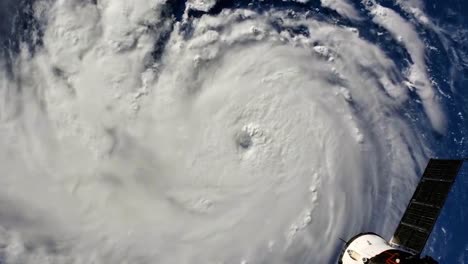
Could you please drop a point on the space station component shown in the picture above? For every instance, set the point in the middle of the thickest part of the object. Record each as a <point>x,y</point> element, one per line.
<point>415,227</point>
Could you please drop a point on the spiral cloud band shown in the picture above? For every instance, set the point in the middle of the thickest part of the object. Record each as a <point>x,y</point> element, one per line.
<point>253,137</point>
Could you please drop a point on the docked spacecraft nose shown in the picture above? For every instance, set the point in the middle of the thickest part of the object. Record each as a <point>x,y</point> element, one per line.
<point>361,248</point>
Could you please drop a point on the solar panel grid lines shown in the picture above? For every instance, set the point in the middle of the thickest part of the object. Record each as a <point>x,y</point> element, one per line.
<point>426,204</point>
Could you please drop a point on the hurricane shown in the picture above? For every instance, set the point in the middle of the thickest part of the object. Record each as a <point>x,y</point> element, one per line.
<point>154,131</point>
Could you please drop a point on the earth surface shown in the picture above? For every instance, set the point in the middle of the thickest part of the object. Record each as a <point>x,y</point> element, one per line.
<point>215,131</point>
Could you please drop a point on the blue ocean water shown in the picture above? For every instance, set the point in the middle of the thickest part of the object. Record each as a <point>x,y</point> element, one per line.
<point>449,240</point>
<point>447,62</point>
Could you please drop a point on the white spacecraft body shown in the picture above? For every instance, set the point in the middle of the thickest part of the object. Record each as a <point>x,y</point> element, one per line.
<point>363,247</point>
<point>415,226</point>
<point>370,248</point>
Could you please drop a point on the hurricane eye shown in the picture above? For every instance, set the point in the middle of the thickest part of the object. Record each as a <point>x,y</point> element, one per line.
<point>244,140</point>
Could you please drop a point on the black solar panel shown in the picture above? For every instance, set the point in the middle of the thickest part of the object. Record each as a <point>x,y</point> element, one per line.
<point>425,205</point>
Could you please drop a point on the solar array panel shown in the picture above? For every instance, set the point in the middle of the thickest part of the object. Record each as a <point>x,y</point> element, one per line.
<point>421,214</point>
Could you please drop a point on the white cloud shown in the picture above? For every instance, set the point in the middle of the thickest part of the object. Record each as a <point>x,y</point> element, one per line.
<point>405,32</point>
<point>237,136</point>
<point>202,5</point>
<point>343,7</point>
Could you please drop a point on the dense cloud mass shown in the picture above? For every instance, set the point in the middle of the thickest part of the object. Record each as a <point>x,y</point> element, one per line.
<point>249,137</point>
